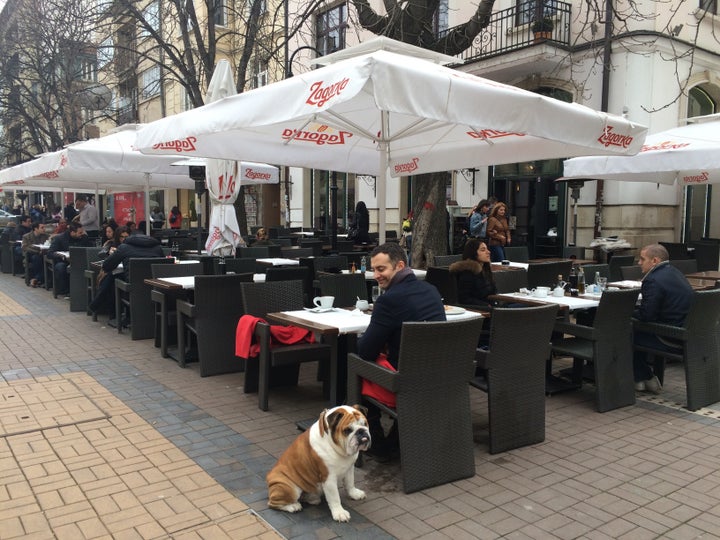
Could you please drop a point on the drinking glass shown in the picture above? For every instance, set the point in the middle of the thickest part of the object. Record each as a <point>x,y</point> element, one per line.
<point>375,292</point>
<point>601,283</point>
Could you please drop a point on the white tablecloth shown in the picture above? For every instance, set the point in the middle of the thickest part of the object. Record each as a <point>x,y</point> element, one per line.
<point>420,274</point>
<point>279,261</point>
<point>513,264</point>
<point>188,282</point>
<point>355,322</point>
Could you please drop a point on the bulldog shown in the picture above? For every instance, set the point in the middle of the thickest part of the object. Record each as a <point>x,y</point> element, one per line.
<point>318,459</point>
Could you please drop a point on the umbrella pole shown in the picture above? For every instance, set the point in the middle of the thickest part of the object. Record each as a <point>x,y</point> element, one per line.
<point>333,209</point>
<point>381,179</point>
<point>147,204</point>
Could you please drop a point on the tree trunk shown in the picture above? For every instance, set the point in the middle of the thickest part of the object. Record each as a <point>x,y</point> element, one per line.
<point>430,234</point>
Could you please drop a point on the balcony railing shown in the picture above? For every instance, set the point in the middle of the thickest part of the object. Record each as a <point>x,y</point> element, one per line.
<point>512,29</point>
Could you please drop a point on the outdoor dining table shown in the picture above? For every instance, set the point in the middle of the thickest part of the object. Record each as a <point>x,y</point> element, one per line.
<point>370,275</point>
<point>278,261</point>
<point>576,262</point>
<point>336,327</point>
<point>707,275</point>
<point>510,265</point>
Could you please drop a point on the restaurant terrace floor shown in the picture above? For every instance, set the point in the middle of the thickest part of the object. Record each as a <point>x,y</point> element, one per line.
<point>100,437</point>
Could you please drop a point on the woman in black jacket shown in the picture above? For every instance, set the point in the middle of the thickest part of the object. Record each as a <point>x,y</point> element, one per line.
<point>361,224</point>
<point>474,274</point>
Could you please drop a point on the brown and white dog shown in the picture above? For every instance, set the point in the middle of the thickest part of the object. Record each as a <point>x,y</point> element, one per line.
<point>318,459</point>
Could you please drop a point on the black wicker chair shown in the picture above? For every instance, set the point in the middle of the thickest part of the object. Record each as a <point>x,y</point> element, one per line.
<point>698,348</point>
<point>707,255</point>
<point>165,314</point>
<point>133,297</point>
<point>212,319</point>
<point>545,274</point>
<point>510,280</point>
<point>512,372</point>
<point>294,273</point>
<point>517,253</point>
<point>631,273</point>
<point>444,282</point>
<point>433,399</point>
<point>81,258</point>
<point>346,288</point>
<point>240,265</point>
<point>607,344</point>
<point>686,266</point>
<point>677,250</point>
<point>617,262</point>
<point>445,260</point>
<point>591,269</point>
<point>278,365</point>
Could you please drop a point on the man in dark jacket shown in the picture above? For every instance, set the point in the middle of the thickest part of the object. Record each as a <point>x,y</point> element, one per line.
<point>59,248</point>
<point>136,246</point>
<point>405,299</point>
<point>666,298</point>
<point>24,226</point>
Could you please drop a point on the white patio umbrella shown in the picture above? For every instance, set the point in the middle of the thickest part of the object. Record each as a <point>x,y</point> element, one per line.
<point>109,163</point>
<point>688,154</point>
<point>221,178</point>
<point>383,109</point>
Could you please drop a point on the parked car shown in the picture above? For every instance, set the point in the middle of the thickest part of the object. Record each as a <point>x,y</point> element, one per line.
<point>6,217</point>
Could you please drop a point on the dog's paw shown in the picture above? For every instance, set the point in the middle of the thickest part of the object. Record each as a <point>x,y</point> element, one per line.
<point>313,498</point>
<point>356,494</point>
<point>292,508</point>
<point>341,515</point>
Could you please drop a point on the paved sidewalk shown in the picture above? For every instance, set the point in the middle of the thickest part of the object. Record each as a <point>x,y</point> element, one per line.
<point>100,437</point>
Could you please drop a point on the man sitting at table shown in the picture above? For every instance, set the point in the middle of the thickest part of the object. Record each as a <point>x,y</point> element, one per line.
<point>405,299</point>
<point>59,247</point>
<point>135,246</point>
<point>666,298</point>
<point>30,241</point>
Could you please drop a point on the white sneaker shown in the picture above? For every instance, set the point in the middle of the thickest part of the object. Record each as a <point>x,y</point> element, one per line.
<point>653,385</point>
<point>640,386</point>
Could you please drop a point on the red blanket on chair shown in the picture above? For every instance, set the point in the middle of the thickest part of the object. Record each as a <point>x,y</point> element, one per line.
<point>279,334</point>
<point>374,390</point>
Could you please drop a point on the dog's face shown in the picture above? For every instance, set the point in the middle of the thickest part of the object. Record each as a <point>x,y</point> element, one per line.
<point>347,427</point>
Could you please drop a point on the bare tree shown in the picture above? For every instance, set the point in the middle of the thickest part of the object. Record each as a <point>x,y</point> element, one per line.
<point>410,21</point>
<point>46,73</point>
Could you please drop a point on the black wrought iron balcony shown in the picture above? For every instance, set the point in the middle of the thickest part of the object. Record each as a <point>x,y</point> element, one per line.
<point>521,26</point>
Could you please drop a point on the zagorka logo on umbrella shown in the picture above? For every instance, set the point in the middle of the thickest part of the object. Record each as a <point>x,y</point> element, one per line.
<point>492,134</point>
<point>665,145</point>
<point>320,95</point>
<point>257,175</point>
<point>408,167</point>
<point>321,135</point>
<point>701,178</point>
<point>179,145</point>
<point>610,138</point>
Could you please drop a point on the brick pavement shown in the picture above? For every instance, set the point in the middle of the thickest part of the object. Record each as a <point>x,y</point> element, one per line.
<point>101,437</point>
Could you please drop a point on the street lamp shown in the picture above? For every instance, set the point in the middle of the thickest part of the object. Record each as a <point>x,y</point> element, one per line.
<point>288,66</point>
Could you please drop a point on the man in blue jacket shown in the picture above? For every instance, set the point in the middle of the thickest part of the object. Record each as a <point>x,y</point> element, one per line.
<point>666,298</point>
<point>405,299</point>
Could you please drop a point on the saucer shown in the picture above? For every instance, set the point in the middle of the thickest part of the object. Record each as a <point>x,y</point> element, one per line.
<point>319,309</point>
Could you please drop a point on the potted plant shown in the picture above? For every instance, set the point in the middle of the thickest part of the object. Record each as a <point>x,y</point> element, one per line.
<point>542,28</point>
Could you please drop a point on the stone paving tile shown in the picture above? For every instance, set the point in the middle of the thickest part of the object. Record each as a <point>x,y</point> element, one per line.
<point>185,455</point>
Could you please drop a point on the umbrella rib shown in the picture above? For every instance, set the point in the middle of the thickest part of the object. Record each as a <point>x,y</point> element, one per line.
<point>482,137</point>
<point>298,131</point>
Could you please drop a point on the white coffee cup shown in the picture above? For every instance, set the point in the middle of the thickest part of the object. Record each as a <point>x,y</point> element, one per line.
<point>324,301</point>
<point>362,305</point>
<point>541,292</point>
<point>558,291</point>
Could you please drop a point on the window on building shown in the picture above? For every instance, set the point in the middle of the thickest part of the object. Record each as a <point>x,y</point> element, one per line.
<point>531,10</point>
<point>260,74</point>
<point>330,27</point>
<point>220,13</point>
<point>150,82</point>
<point>151,15</point>
<point>441,17</point>
<point>105,53</point>
<point>251,3</point>
<point>700,102</point>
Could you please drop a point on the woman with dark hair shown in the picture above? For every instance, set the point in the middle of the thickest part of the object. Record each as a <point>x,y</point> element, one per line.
<point>175,218</point>
<point>118,236</point>
<point>474,274</point>
<point>360,228</point>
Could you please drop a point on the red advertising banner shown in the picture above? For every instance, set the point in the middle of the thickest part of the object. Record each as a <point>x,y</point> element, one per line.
<point>129,207</point>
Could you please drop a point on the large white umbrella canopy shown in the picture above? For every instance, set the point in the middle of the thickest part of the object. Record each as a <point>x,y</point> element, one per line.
<point>109,163</point>
<point>221,177</point>
<point>688,154</point>
<point>383,110</point>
